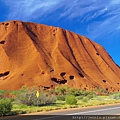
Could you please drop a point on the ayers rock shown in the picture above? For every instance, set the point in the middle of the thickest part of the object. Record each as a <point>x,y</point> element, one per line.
<point>38,55</point>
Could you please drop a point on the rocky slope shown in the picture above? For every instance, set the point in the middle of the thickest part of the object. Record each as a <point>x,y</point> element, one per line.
<point>40,55</point>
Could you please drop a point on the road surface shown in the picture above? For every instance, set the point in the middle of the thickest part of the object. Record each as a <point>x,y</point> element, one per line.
<point>88,113</point>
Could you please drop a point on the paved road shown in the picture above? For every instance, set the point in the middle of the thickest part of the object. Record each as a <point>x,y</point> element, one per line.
<point>73,114</point>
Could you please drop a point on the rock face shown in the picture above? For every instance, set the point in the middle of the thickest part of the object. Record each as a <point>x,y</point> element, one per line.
<point>35,54</point>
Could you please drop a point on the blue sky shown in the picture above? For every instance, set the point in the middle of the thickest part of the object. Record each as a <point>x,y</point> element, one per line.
<point>99,20</point>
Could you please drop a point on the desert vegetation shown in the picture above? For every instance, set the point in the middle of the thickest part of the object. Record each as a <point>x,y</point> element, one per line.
<point>61,97</point>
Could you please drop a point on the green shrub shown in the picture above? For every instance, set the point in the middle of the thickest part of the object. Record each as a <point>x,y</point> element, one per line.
<point>52,91</point>
<point>61,97</point>
<point>5,106</point>
<point>101,91</point>
<point>29,97</point>
<point>75,92</point>
<point>79,92</point>
<point>61,90</point>
<point>1,95</point>
<point>4,93</point>
<point>71,100</point>
<point>80,97</point>
<point>86,92</point>
<point>85,99</point>
<point>116,95</point>
<point>89,96</point>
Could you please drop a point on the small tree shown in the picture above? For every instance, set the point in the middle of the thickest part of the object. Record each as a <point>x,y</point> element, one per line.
<point>5,106</point>
<point>29,97</point>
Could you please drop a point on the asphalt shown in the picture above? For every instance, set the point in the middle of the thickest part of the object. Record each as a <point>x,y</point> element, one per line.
<point>105,112</point>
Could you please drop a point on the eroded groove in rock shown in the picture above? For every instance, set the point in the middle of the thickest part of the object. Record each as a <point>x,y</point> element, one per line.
<point>104,58</point>
<point>81,75</point>
<point>103,75</point>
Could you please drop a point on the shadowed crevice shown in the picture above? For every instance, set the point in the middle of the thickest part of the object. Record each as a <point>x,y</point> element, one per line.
<point>63,74</point>
<point>97,54</point>
<point>104,81</point>
<point>2,42</point>
<point>4,74</point>
<point>58,81</point>
<point>71,77</point>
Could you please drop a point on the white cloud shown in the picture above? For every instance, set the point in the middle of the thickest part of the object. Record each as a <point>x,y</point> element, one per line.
<point>115,2</point>
<point>103,16</point>
<point>25,9</point>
